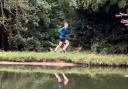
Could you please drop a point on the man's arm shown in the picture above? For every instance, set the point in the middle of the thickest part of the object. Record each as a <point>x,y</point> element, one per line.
<point>60,30</point>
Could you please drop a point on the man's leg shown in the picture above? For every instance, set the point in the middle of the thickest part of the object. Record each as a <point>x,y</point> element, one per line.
<point>58,77</point>
<point>58,46</point>
<point>66,45</point>
<point>65,79</point>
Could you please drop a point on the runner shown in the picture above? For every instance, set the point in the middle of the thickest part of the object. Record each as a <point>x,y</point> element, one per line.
<point>62,38</point>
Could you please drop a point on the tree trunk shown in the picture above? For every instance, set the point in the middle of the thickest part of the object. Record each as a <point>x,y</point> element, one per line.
<point>4,35</point>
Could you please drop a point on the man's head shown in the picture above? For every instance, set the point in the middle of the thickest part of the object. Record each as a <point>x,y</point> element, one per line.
<point>65,25</point>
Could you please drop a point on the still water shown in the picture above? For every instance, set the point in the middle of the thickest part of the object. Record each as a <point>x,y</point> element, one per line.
<point>76,80</point>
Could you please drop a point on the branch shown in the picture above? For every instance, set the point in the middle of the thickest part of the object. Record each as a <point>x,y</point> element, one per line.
<point>125,21</point>
<point>2,11</point>
<point>121,14</point>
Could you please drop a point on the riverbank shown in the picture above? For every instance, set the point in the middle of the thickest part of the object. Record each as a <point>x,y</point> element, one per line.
<point>80,59</point>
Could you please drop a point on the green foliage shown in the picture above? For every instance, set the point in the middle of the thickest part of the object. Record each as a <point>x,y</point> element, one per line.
<point>93,24</point>
<point>32,44</point>
<point>1,19</point>
<point>107,48</point>
<point>95,5</point>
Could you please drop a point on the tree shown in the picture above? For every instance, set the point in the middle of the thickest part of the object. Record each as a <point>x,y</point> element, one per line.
<point>33,24</point>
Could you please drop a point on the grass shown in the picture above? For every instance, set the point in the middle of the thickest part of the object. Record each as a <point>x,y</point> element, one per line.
<point>75,57</point>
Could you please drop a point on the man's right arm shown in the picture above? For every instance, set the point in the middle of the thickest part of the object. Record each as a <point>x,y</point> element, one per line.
<point>60,30</point>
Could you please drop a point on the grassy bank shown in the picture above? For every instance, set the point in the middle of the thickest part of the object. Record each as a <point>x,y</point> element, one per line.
<point>74,57</point>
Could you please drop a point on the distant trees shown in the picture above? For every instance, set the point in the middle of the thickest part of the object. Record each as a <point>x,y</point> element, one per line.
<point>33,24</point>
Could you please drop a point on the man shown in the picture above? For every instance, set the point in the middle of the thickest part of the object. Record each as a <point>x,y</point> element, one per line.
<point>62,38</point>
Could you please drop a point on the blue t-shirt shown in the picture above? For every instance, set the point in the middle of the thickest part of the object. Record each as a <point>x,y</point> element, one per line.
<point>63,31</point>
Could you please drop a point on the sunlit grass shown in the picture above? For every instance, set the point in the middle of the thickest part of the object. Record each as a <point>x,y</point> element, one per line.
<point>41,56</point>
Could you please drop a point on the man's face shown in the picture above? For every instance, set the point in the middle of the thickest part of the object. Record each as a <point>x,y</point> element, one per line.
<point>65,25</point>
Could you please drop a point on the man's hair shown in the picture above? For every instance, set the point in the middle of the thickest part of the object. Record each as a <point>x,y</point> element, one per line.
<point>66,23</point>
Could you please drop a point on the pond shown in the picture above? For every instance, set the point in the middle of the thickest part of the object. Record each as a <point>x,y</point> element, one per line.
<point>30,77</point>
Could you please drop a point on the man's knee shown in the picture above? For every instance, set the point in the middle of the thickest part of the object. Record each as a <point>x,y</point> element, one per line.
<point>67,42</point>
<point>60,43</point>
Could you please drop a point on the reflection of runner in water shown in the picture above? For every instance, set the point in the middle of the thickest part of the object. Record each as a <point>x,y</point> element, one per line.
<point>62,81</point>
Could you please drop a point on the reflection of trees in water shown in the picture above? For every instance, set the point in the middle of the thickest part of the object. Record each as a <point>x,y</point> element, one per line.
<point>1,76</point>
<point>27,81</point>
<point>48,81</point>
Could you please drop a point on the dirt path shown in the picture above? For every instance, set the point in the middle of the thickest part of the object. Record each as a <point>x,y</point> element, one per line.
<point>63,64</point>
<point>58,64</point>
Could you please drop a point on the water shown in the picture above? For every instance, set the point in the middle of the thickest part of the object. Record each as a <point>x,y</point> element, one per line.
<point>91,78</point>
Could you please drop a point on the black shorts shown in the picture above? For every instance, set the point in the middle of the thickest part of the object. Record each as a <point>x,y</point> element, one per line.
<point>62,39</point>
